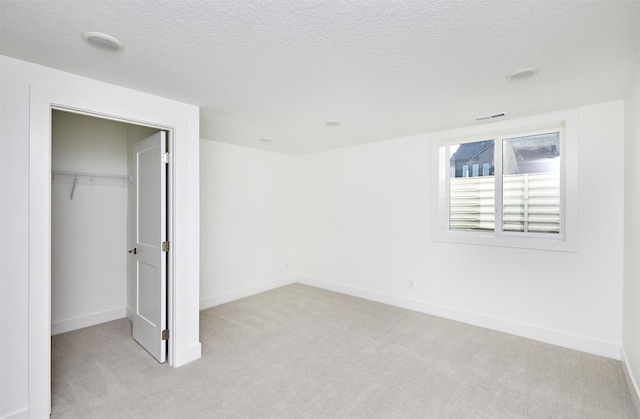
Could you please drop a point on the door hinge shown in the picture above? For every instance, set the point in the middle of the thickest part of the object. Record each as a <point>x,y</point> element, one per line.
<point>165,246</point>
<point>165,334</point>
<point>165,157</point>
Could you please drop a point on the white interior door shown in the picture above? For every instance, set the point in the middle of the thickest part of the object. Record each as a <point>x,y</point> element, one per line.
<point>150,308</point>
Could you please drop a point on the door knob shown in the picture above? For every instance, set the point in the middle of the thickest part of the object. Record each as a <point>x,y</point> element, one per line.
<point>134,251</point>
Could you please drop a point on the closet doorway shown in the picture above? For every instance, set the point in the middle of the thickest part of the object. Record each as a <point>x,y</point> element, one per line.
<point>180,121</point>
<point>108,221</point>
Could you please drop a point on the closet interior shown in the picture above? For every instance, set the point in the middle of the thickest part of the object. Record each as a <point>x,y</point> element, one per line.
<point>91,219</point>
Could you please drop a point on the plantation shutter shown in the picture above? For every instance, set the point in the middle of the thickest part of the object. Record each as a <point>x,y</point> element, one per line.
<point>531,203</point>
<point>472,204</point>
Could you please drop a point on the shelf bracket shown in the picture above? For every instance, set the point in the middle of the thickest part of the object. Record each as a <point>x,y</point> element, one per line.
<point>73,187</point>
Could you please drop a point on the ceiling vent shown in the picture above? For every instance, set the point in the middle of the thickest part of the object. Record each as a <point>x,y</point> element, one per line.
<point>487,117</point>
<point>522,74</point>
<point>103,41</point>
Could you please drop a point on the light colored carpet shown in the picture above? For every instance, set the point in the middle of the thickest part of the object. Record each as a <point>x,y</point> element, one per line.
<point>302,352</point>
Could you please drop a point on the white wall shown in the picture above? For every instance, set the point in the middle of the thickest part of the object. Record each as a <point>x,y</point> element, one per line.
<point>248,221</point>
<point>365,228</point>
<point>14,262</point>
<point>23,371</point>
<point>89,232</point>
<point>631,317</point>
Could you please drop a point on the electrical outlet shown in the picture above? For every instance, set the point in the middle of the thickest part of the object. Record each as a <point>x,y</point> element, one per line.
<point>411,284</point>
<point>286,266</point>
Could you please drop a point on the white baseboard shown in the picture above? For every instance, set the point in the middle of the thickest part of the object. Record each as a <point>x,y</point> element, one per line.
<point>631,381</point>
<point>20,414</point>
<point>62,326</point>
<point>554,337</point>
<point>226,297</point>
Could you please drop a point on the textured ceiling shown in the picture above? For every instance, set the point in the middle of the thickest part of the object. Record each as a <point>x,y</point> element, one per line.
<point>280,69</point>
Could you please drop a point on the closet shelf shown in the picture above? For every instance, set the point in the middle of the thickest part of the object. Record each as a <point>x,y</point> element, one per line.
<point>89,174</point>
<point>77,175</point>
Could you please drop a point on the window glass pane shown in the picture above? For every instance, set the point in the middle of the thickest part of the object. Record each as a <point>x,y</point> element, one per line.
<point>471,190</point>
<point>531,183</point>
<point>465,155</point>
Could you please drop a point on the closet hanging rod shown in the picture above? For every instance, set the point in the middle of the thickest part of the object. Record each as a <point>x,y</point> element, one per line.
<point>76,175</point>
<point>89,174</point>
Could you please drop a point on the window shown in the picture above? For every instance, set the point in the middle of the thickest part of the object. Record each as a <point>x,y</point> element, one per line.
<point>530,182</point>
<point>472,197</point>
<point>510,187</point>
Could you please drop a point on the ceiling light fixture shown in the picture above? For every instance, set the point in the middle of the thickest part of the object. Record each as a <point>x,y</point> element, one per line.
<point>332,123</point>
<point>103,41</point>
<point>523,73</point>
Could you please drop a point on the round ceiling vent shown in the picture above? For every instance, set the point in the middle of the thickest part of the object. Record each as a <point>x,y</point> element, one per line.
<point>103,41</point>
<point>523,73</point>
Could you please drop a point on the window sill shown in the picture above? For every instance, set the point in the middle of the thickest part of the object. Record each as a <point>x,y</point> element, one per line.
<point>515,240</point>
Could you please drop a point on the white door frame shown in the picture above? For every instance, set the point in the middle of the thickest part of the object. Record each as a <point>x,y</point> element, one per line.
<point>184,343</point>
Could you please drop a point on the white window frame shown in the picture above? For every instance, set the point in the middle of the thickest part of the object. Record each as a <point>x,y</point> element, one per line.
<point>567,240</point>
